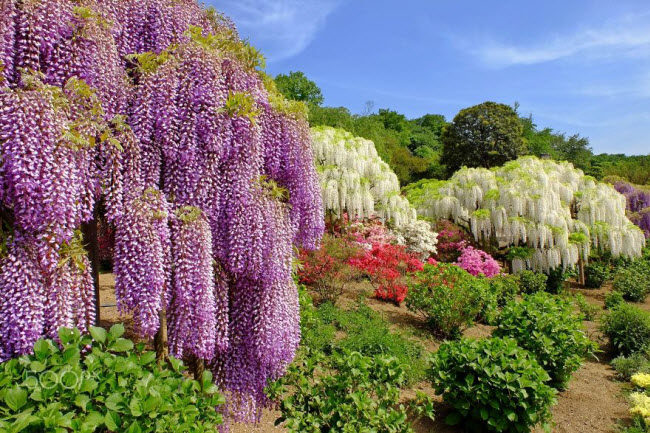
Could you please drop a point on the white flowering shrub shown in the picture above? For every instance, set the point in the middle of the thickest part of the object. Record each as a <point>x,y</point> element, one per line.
<point>355,180</point>
<point>550,209</point>
<point>418,237</point>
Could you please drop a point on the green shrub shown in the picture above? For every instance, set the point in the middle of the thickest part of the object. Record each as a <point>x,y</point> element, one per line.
<point>345,392</point>
<point>546,326</point>
<point>555,280</point>
<point>588,310</point>
<point>113,387</point>
<point>316,334</point>
<point>628,329</point>
<point>505,287</point>
<point>448,297</point>
<point>532,282</point>
<point>368,333</point>
<point>613,299</point>
<point>492,383</point>
<point>596,274</point>
<point>628,366</point>
<point>634,281</point>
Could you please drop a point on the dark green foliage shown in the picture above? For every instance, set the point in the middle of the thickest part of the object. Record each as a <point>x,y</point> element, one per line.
<point>555,280</point>
<point>368,333</point>
<point>628,366</point>
<point>635,169</point>
<point>411,147</point>
<point>297,87</point>
<point>113,387</point>
<point>505,287</point>
<point>492,385</point>
<point>546,326</point>
<point>613,299</point>
<point>633,281</point>
<point>485,135</point>
<point>596,274</point>
<point>558,146</point>
<point>344,392</point>
<point>628,328</point>
<point>448,297</point>
<point>532,282</point>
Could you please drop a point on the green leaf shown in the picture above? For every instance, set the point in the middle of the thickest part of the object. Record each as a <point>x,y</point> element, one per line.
<point>99,334</point>
<point>147,358</point>
<point>22,421</point>
<point>112,421</point>
<point>114,402</point>
<point>36,366</point>
<point>16,398</point>
<point>42,349</point>
<point>134,428</point>
<point>117,330</point>
<point>121,345</point>
<point>82,401</point>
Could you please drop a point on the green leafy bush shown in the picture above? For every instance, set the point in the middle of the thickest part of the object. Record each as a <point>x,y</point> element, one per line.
<point>368,333</point>
<point>492,383</point>
<point>506,287</point>
<point>596,274</point>
<point>555,280</point>
<point>448,297</point>
<point>499,291</point>
<point>634,281</point>
<point>532,282</point>
<point>588,310</point>
<point>316,334</point>
<point>613,300</point>
<point>112,387</point>
<point>628,328</point>
<point>345,392</point>
<point>627,366</point>
<point>546,326</point>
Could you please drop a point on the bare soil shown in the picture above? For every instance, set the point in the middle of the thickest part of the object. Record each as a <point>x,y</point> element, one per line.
<point>593,403</point>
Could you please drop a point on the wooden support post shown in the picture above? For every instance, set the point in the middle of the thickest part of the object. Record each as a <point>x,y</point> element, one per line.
<point>90,235</point>
<point>581,270</point>
<point>160,340</point>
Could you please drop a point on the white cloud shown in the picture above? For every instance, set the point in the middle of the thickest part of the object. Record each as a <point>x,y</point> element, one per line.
<point>281,28</point>
<point>626,37</point>
<point>636,88</point>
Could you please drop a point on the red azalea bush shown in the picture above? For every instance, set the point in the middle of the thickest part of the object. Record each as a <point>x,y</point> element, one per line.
<point>327,270</point>
<point>451,241</point>
<point>387,266</point>
<point>478,262</point>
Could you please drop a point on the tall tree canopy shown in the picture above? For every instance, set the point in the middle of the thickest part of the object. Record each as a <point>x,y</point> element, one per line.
<point>485,135</point>
<point>158,111</point>
<point>297,87</point>
<point>551,211</point>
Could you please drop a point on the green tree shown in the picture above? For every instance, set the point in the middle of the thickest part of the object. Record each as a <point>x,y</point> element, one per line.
<point>296,86</point>
<point>485,135</point>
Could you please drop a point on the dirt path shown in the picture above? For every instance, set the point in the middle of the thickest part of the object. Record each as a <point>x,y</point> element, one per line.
<point>593,402</point>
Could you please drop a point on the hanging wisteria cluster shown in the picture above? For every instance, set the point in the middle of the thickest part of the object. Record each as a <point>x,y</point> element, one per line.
<point>551,211</point>
<point>638,204</point>
<point>355,180</point>
<point>157,113</point>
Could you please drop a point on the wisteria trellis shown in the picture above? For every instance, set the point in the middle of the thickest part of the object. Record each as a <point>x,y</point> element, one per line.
<point>158,110</point>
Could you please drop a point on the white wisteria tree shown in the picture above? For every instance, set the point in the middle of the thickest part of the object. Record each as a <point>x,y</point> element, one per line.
<point>550,211</point>
<point>355,180</point>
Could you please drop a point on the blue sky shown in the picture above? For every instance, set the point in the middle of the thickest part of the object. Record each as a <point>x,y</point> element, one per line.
<point>578,66</point>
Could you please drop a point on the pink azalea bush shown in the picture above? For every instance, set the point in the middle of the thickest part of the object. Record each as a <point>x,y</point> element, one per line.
<point>478,262</point>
